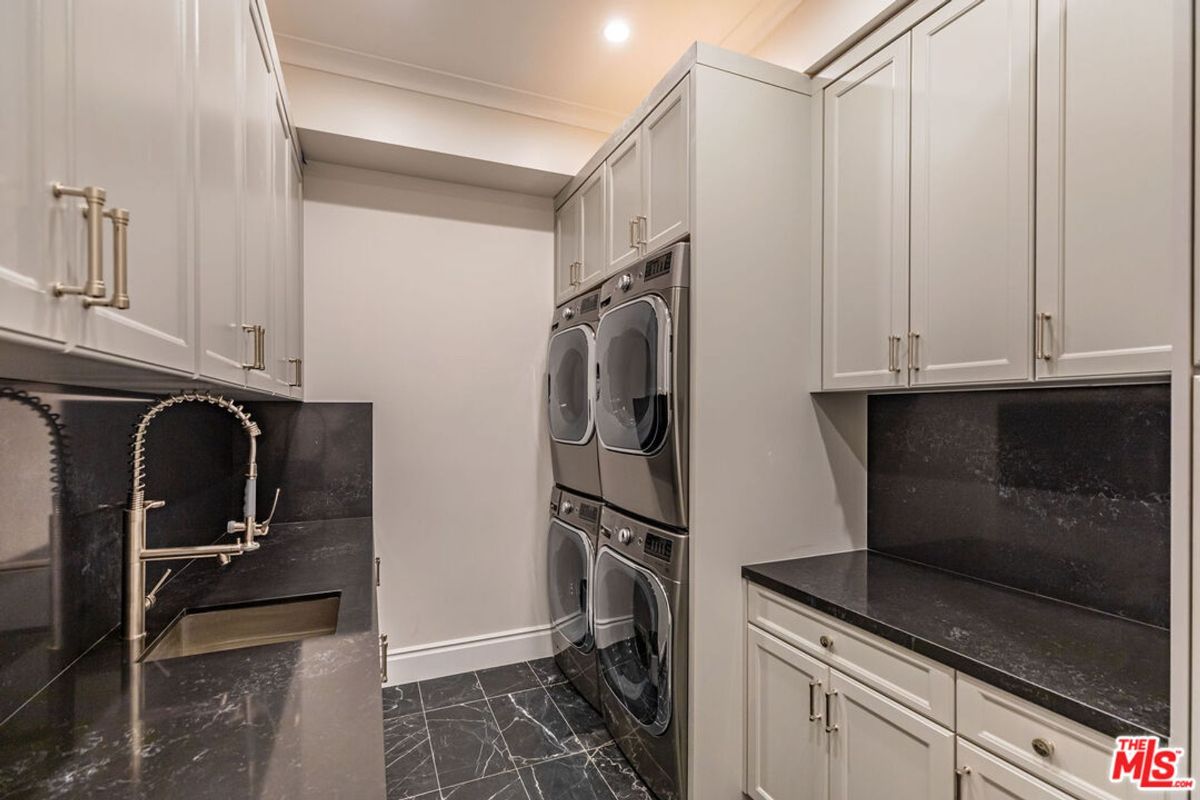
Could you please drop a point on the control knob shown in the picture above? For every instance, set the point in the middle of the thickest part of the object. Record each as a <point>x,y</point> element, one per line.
<point>625,282</point>
<point>567,507</point>
<point>624,536</point>
<point>567,313</point>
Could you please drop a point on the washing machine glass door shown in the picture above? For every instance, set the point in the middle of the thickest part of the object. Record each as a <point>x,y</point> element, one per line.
<point>633,637</point>
<point>569,393</point>
<point>570,566</point>
<point>633,352</point>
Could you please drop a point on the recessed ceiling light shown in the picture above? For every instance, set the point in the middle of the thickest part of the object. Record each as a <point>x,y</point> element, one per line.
<point>616,31</point>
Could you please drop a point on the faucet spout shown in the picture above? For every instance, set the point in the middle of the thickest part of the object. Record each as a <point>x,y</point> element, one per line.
<point>137,554</point>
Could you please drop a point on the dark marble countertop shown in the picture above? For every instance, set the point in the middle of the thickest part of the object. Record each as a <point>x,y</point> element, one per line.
<point>294,720</point>
<point>1102,671</point>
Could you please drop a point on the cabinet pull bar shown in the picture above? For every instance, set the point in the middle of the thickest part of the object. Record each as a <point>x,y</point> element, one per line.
<point>1040,350</point>
<point>642,226</point>
<point>119,299</point>
<point>813,716</point>
<point>914,363</point>
<point>383,665</point>
<point>959,773</point>
<point>94,197</point>
<point>829,727</point>
<point>299,382</point>
<point>259,333</point>
<point>633,236</point>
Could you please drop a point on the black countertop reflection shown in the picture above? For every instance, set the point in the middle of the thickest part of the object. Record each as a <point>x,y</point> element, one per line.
<point>1102,671</point>
<point>295,720</point>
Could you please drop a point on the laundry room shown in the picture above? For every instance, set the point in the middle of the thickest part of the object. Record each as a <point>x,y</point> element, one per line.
<point>609,400</point>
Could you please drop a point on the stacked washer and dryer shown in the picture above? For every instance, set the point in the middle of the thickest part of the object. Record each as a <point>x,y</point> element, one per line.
<point>617,404</point>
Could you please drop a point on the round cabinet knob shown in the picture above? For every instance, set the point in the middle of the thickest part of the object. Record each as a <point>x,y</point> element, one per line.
<point>625,282</point>
<point>1042,747</point>
<point>826,642</point>
<point>567,507</point>
<point>624,536</point>
<point>568,313</point>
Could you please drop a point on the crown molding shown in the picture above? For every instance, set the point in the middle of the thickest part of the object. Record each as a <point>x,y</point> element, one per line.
<point>757,25</point>
<point>367,67</point>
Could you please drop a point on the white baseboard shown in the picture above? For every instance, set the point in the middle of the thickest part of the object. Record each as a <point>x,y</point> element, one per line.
<point>424,661</point>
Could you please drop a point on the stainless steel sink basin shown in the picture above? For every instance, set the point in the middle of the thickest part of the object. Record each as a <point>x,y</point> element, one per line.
<point>211,630</point>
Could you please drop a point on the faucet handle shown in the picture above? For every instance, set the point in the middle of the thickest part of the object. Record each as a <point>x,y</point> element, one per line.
<point>265,527</point>
<point>152,598</point>
<point>150,505</point>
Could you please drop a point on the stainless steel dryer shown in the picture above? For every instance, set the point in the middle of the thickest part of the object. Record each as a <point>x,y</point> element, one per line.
<point>641,623</point>
<point>571,565</point>
<point>642,391</point>
<point>570,394</point>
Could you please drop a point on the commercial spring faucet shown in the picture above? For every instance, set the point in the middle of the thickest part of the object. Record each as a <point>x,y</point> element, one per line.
<point>136,600</point>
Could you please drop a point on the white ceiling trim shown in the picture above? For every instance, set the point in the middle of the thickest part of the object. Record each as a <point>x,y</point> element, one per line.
<point>756,26</point>
<point>364,66</point>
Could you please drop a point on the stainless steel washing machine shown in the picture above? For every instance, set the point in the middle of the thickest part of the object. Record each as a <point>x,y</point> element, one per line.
<point>571,565</point>
<point>570,394</point>
<point>642,387</point>
<point>641,624</point>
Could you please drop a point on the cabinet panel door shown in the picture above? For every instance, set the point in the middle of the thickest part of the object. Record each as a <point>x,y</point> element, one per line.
<point>865,284</point>
<point>666,137</point>
<point>131,119</point>
<point>1113,181</point>
<point>786,756</point>
<point>34,227</point>
<point>295,281</point>
<point>985,777</point>
<point>972,192</point>
<point>276,340</point>
<point>881,749</point>
<point>218,184</point>
<point>624,174</point>
<point>567,245</point>
<point>592,251</point>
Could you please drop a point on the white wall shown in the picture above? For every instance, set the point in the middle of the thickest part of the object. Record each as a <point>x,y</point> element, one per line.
<point>432,301</point>
<point>818,27</point>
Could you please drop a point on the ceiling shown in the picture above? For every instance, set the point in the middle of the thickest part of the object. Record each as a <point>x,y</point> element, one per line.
<point>552,51</point>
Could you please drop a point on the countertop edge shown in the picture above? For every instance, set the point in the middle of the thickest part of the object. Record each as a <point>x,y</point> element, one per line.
<point>1094,718</point>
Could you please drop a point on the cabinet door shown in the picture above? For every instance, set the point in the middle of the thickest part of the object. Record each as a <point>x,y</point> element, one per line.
<point>592,253</point>
<point>1114,151</point>
<point>624,174</point>
<point>34,227</point>
<point>567,230</point>
<point>972,192</point>
<point>865,287</point>
<point>276,339</point>
<point>131,125</point>
<point>666,139</point>
<point>295,281</point>
<point>985,777</point>
<point>218,188</point>
<point>881,749</point>
<point>786,753</point>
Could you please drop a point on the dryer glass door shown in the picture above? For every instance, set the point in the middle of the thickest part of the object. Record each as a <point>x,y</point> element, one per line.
<point>570,565</point>
<point>633,635</point>
<point>570,382</point>
<point>633,354</point>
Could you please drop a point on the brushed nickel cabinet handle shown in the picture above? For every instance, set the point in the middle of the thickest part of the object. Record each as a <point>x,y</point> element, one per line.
<point>93,212</point>
<point>1040,350</point>
<point>259,333</point>
<point>813,716</point>
<point>914,363</point>
<point>299,382</point>
<point>633,232</point>
<point>642,225</point>
<point>959,774</point>
<point>119,299</point>
<point>826,641</point>
<point>383,648</point>
<point>894,354</point>
<point>829,727</point>
<point>1042,747</point>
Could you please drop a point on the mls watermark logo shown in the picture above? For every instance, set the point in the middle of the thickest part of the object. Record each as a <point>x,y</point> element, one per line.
<point>1141,761</point>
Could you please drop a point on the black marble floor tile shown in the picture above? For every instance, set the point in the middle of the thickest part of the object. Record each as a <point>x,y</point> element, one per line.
<point>401,700</point>
<point>533,727</point>
<point>408,760</point>
<point>574,777</point>
<point>586,723</point>
<point>507,679</point>
<point>619,776</point>
<point>547,671</point>
<point>451,690</point>
<point>467,744</point>
<point>506,786</point>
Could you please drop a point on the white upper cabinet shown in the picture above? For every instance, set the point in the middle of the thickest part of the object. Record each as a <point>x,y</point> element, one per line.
<point>218,179</point>
<point>276,337</point>
<point>294,280</point>
<point>568,225</point>
<point>666,142</point>
<point>1114,148</point>
<point>593,241</point>
<point>881,749</point>
<point>865,323</point>
<point>786,753</point>
<point>130,119</point>
<point>625,177</point>
<point>972,193</point>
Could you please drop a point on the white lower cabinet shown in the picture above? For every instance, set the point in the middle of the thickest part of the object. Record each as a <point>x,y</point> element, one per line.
<point>982,776</point>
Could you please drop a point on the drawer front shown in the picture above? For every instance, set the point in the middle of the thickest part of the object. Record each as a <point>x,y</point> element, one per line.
<point>1079,758</point>
<point>912,680</point>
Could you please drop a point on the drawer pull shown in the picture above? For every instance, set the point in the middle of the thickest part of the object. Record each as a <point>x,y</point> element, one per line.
<point>959,774</point>
<point>826,642</point>
<point>1042,747</point>
<point>813,716</point>
<point>829,714</point>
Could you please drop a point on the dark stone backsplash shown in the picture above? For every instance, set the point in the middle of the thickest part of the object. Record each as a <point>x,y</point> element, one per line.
<point>1063,492</point>
<point>64,485</point>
